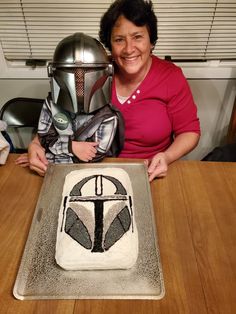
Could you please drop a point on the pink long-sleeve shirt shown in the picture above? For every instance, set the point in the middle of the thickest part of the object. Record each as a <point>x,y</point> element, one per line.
<point>162,105</point>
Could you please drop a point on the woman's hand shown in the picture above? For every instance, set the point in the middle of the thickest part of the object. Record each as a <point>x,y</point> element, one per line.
<point>157,167</point>
<point>37,157</point>
<point>23,160</point>
<point>85,151</point>
<point>182,144</point>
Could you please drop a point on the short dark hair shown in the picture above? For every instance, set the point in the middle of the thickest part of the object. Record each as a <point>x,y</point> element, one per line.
<point>139,12</point>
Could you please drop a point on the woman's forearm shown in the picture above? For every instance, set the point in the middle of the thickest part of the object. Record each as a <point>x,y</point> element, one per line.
<point>182,144</point>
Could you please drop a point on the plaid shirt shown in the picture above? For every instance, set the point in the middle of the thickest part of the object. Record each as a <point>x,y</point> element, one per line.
<point>56,142</point>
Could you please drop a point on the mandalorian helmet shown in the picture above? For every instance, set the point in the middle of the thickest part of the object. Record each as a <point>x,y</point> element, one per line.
<point>97,221</point>
<point>112,212</point>
<point>80,74</point>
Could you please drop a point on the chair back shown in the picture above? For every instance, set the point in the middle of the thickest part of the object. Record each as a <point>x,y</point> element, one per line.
<point>21,112</point>
<point>231,135</point>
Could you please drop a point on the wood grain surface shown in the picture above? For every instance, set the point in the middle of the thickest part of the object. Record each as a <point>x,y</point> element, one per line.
<point>195,209</point>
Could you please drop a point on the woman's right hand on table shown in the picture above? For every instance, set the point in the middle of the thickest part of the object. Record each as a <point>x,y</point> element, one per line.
<point>37,157</point>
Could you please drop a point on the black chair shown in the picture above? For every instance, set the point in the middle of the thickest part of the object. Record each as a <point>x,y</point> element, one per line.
<point>231,135</point>
<point>19,113</point>
<point>226,152</point>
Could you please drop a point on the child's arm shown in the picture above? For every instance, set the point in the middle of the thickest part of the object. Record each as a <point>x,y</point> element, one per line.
<point>56,142</point>
<point>60,143</point>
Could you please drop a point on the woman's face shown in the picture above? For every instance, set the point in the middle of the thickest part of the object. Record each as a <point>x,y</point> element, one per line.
<point>131,47</point>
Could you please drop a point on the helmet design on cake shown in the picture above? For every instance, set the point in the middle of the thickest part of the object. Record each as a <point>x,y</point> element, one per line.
<point>80,74</point>
<point>97,228</point>
<point>110,209</point>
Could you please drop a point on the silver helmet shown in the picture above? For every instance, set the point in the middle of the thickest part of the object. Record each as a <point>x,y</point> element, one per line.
<point>80,74</point>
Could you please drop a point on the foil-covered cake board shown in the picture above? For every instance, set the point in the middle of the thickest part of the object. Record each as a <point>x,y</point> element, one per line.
<point>39,277</point>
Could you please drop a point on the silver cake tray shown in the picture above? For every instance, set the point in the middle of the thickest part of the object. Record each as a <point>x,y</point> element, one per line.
<point>39,277</point>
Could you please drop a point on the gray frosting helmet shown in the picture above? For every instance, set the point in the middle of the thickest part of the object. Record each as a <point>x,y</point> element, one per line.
<point>80,74</point>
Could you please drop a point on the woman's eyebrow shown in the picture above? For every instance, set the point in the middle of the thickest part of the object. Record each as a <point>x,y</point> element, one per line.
<point>131,34</point>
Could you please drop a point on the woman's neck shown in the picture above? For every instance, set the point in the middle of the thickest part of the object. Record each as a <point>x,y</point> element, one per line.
<point>126,84</point>
<point>125,87</point>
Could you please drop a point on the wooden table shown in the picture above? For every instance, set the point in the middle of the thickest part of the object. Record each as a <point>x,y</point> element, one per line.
<point>195,207</point>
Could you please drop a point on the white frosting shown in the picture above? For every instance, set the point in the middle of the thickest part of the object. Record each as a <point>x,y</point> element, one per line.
<point>101,184</point>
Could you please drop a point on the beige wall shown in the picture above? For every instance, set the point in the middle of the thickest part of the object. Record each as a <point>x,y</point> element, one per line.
<point>11,88</point>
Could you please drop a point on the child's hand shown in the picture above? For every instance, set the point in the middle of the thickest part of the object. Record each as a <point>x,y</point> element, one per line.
<point>85,151</point>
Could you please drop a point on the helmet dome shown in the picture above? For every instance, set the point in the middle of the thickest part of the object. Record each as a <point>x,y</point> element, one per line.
<point>79,50</point>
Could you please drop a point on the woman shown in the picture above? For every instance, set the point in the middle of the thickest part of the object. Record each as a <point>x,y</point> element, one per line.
<point>161,123</point>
